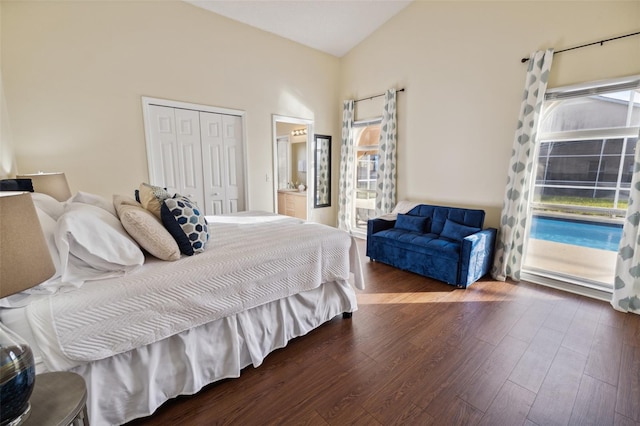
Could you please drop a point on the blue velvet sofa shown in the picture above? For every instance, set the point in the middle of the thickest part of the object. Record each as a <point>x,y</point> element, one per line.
<point>444,243</point>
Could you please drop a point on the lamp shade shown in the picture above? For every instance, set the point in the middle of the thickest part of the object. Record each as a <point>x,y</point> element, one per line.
<point>54,184</point>
<point>24,262</point>
<point>24,255</point>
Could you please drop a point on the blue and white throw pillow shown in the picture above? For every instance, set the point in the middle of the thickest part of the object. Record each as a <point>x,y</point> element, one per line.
<point>186,223</point>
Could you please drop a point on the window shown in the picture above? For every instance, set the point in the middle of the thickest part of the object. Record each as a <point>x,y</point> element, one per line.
<point>590,172</point>
<point>586,147</point>
<point>366,137</point>
<point>585,151</point>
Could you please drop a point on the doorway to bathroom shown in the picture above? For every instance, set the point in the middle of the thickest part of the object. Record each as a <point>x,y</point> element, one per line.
<point>293,176</point>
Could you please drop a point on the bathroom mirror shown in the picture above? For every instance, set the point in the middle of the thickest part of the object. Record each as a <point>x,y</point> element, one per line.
<point>322,157</point>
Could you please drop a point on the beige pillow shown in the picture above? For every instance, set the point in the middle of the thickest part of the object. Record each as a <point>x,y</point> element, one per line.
<point>151,197</point>
<point>148,232</point>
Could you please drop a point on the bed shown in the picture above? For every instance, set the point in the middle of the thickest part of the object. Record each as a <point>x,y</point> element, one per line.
<point>149,332</point>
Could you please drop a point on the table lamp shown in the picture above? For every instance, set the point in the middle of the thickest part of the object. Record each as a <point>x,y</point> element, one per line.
<point>24,263</point>
<point>54,184</point>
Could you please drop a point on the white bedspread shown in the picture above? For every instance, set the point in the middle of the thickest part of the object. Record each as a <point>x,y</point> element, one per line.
<point>248,262</point>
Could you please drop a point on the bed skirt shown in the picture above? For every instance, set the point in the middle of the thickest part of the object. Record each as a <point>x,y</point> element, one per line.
<point>135,383</point>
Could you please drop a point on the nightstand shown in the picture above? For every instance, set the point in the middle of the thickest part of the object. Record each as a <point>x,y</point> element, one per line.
<point>58,399</point>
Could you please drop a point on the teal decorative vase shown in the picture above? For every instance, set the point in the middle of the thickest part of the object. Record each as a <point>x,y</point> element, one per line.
<point>17,378</point>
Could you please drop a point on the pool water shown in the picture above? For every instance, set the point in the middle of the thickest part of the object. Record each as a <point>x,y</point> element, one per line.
<point>601,236</point>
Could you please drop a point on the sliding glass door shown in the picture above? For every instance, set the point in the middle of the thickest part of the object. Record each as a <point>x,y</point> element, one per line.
<point>585,150</point>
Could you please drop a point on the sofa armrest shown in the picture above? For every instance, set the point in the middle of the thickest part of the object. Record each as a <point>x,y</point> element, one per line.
<point>377,225</point>
<point>476,256</point>
<point>373,226</point>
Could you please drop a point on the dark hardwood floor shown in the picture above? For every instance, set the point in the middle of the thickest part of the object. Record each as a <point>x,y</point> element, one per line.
<point>419,352</point>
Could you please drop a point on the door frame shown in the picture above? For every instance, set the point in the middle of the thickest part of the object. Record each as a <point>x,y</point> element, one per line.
<point>147,102</point>
<point>310,158</point>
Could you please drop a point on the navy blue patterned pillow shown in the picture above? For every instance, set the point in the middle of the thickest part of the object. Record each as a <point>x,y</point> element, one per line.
<point>185,223</point>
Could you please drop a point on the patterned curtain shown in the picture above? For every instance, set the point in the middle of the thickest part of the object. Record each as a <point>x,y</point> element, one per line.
<point>626,289</point>
<point>509,248</point>
<point>347,161</point>
<point>322,189</point>
<point>386,180</point>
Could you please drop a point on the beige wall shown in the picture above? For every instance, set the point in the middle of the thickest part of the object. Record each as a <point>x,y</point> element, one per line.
<point>460,65</point>
<point>74,73</point>
<point>7,160</point>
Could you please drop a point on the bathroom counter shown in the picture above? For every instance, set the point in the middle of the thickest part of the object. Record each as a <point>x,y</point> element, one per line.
<point>292,202</point>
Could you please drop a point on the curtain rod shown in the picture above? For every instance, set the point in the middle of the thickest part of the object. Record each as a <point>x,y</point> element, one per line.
<point>376,96</point>
<point>601,42</point>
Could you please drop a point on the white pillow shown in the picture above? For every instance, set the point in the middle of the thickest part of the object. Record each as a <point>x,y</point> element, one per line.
<point>48,204</point>
<point>94,200</point>
<point>93,245</point>
<point>48,226</point>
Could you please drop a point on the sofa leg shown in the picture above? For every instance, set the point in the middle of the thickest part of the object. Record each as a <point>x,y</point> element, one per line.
<point>347,315</point>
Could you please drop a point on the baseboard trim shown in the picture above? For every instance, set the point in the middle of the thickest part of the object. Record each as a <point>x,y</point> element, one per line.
<point>593,291</point>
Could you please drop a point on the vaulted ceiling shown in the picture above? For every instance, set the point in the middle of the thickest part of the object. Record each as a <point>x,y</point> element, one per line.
<point>331,26</point>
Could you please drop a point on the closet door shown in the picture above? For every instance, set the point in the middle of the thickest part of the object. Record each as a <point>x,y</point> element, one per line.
<point>234,162</point>
<point>212,162</point>
<point>196,153</point>
<point>222,160</point>
<point>164,167</point>
<point>190,156</point>
<point>176,152</point>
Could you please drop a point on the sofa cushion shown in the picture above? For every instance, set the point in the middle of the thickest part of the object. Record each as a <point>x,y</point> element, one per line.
<point>456,231</point>
<point>412,223</point>
<point>428,244</point>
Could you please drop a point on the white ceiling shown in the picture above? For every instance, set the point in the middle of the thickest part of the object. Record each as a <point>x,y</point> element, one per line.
<point>331,26</point>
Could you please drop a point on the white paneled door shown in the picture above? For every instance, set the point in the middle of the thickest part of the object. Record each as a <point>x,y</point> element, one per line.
<point>223,161</point>
<point>164,167</point>
<point>190,155</point>
<point>197,154</point>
